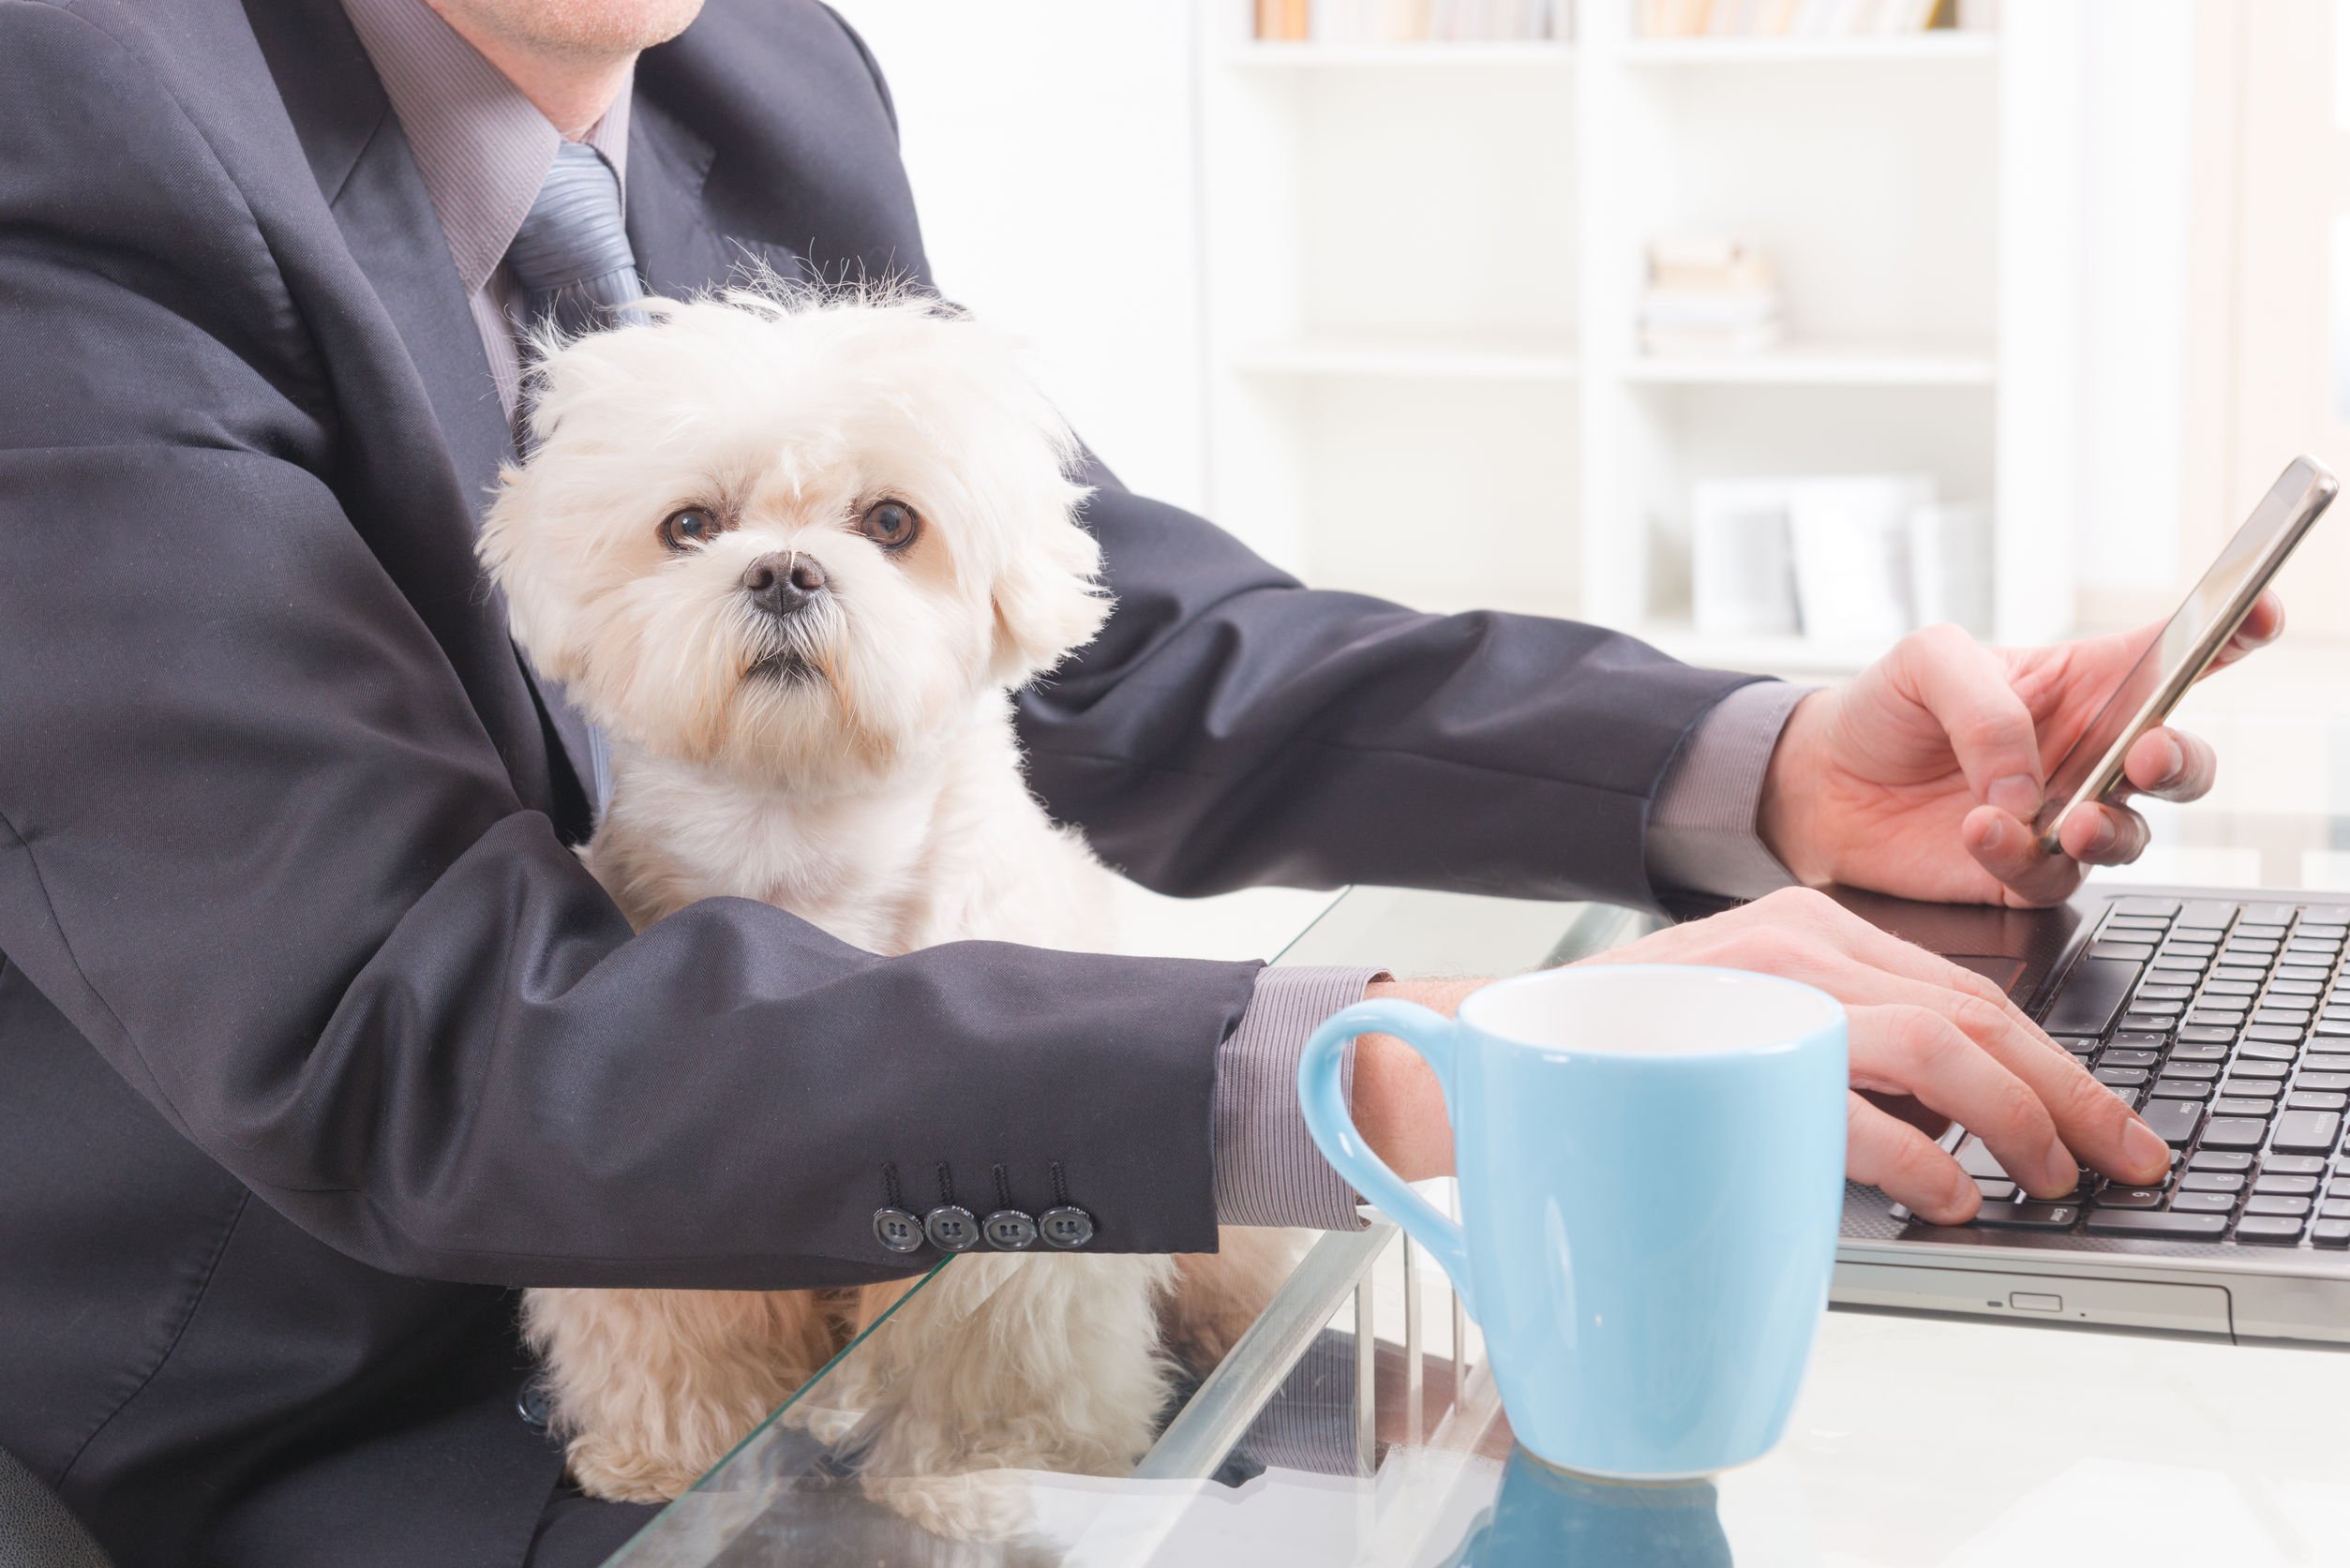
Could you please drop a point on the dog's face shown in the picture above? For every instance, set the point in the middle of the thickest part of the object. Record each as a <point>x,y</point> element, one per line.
<point>792,539</point>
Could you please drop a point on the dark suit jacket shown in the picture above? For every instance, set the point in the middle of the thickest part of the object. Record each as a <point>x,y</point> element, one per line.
<point>317,1039</point>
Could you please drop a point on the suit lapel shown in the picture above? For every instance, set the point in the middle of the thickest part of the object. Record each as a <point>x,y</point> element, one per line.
<point>360,158</point>
<point>678,251</point>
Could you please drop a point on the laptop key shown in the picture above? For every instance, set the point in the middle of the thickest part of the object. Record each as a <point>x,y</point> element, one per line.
<point>2180,1088</point>
<point>2325,1083</point>
<point>2267,1051</point>
<point>2243,1106</point>
<point>2091,997</point>
<point>2236,1132</point>
<point>2308,1132</point>
<point>2304,1100</point>
<point>2027,1216</point>
<point>2294,1186</point>
<point>2120,1078</point>
<point>2334,1208</point>
<point>2210,1158</point>
<point>2175,1121</point>
<point>2200,1035</point>
<point>2203,1203</point>
<point>2125,1058</point>
<point>2158,1222</point>
<point>2204,1059</point>
<point>2135,905</point>
<point>2270,1229</point>
<point>2258,1070</point>
<point>2273,1203</point>
<point>2211,1181</point>
<point>2129,1197</point>
<point>1975,1157</point>
<point>2318,1062</point>
<point>2331,1232</point>
<point>2292,1165</point>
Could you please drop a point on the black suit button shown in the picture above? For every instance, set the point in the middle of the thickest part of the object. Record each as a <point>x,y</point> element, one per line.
<point>897,1230</point>
<point>1066,1226</point>
<point>952,1227</point>
<point>1010,1231</point>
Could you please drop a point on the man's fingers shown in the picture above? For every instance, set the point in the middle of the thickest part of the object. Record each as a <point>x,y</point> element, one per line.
<point>2089,1119</point>
<point>2007,849</point>
<point>2092,1122</point>
<point>2098,835</point>
<point>1907,1165</point>
<point>1966,687</point>
<point>1920,1051</point>
<point>2262,627</point>
<point>2171,765</point>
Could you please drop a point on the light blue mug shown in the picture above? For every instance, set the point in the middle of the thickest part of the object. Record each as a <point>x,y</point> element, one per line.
<point>1652,1179</point>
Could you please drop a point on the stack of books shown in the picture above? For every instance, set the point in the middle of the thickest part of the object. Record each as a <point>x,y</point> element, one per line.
<point>1709,295</point>
<point>1408,20</point>
<point>1801,18</point>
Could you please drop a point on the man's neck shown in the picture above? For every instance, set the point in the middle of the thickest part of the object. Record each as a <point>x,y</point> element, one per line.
<point>571,89</point>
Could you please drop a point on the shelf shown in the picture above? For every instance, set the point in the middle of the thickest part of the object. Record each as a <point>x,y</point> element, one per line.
<point>1427,356</point>
<point>1942,44</point>
<point>1800,364</point>
<point>1314,56</point>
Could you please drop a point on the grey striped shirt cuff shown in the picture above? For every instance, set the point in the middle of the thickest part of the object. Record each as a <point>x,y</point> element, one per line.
<point>1267,1169</point>
<point>1702,834</point>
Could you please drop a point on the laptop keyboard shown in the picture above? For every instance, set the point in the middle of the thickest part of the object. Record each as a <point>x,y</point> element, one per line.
<point>2226,1027</point>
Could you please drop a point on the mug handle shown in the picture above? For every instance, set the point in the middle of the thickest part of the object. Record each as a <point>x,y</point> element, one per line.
<point>1323,1097</point>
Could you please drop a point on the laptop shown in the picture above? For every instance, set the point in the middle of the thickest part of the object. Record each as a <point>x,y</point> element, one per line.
<point>2224,1019</point>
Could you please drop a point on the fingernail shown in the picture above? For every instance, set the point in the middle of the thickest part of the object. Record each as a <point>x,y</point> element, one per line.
<point>2145,1150</point>
<point>2018,795</point>
<point>2178,763</point>
<point>2102,840</point>
<point>1994,835</point>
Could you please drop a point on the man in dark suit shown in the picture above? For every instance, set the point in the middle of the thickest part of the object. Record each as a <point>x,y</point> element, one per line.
<point>318,1039</point>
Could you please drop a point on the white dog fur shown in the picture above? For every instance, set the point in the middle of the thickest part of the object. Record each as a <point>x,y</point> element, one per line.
<point>852,762</point>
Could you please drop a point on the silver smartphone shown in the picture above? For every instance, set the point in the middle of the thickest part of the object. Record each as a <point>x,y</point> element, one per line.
<point>2188,642</point>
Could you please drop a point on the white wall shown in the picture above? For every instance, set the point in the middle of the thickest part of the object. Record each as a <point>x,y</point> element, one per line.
<point>2137,110</point>
<point>1052,146</point>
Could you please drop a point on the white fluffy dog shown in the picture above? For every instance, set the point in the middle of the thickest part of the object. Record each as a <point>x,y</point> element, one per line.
<point>792,555</point>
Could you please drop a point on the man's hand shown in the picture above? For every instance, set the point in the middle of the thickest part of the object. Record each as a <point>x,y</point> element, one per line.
<point>1932,1043</point>
<point>1922,777</point>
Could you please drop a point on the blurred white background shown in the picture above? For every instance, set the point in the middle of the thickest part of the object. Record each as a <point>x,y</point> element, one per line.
<point>1377,306</point>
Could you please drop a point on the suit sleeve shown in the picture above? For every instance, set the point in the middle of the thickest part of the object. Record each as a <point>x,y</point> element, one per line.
<point>256,842</point>
<point>1232,727</point>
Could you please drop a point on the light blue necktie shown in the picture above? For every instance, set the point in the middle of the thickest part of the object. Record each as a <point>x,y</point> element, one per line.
<point>572,259</point>
<point>571,254</point>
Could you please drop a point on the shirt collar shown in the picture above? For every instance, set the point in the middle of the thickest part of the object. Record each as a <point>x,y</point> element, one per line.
<point>483,148</point>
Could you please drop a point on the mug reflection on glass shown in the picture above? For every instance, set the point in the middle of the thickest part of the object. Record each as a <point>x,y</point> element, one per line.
<point>1651,1161</point>
<point>1546,1518</point>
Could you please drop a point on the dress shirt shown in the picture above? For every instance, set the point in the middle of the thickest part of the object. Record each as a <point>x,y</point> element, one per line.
<point>483,150</point>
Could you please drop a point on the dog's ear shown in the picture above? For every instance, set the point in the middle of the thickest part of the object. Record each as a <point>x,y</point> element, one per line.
<point>534,613</point>
<point>1048,604</point>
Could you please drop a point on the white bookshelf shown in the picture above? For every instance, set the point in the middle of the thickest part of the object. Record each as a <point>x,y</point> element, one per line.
<point>1422,264</point>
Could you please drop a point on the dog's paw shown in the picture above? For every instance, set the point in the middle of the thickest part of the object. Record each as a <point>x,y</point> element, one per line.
<point>615,1473</point>
<point>980,1506</point>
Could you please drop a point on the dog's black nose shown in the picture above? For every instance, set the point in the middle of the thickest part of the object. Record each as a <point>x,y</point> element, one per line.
<point>784,582</point>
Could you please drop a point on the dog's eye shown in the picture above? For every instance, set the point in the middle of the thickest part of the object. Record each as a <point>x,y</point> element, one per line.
<point>691,526</point>
<point>891,524</point>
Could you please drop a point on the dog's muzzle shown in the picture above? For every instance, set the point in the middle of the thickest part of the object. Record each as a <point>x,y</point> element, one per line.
<point>783,583</point>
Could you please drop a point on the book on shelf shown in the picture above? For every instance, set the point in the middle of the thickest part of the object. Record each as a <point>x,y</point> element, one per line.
<point>1360,22</point>
<point>1709,295</point>
<point>1805,19</point>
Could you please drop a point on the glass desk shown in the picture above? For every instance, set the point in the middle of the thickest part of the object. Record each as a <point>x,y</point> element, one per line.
<point>1355,1422</point>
